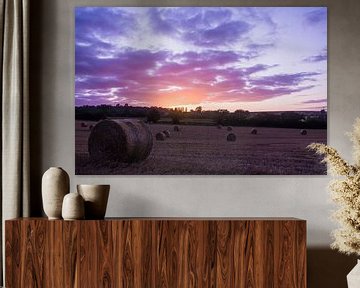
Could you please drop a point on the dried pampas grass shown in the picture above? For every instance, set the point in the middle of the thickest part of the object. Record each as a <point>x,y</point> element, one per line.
<point>345,192</point>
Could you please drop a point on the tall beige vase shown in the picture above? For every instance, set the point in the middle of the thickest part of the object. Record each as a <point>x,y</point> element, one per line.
<point>96,198</point>
<point>55,185</point>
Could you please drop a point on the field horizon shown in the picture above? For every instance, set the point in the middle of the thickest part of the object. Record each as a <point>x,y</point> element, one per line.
<point>278,119</point>
<point>310,110</point>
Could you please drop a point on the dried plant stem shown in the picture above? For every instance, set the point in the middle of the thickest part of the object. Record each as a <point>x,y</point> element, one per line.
<point>345,192</point>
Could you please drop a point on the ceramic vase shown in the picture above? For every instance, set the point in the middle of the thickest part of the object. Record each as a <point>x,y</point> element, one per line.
<point>96,198</point>
<point>55,185</point>
<point>353,278</point>
<point>73,207</point>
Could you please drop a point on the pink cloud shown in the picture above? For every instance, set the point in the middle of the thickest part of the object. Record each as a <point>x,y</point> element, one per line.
<point>141,75</point>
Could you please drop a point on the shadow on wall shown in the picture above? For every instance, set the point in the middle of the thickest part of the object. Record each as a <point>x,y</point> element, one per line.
<point>328,268</point>
<point>35,94</point>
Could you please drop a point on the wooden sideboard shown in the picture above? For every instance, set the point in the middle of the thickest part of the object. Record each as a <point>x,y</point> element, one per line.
<point>156,252</point>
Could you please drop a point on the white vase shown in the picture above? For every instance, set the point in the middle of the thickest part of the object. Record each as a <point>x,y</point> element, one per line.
<point>55,185</point>
<point>353,278</point>
<point>96,198</point>
<point>73,207</point>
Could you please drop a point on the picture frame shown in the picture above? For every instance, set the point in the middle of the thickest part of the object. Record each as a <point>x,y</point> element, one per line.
<point>200,90</point>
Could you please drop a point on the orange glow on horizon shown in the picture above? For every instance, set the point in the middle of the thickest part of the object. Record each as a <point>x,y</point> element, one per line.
<point>180,98</point>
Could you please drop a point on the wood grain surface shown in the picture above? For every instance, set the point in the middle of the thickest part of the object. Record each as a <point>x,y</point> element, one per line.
<point>157,253</point>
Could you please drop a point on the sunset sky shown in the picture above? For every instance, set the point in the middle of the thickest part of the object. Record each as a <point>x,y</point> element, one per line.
<point>258,59</point>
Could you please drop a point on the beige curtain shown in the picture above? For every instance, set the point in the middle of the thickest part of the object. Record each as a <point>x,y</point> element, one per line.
<point>14,27</point>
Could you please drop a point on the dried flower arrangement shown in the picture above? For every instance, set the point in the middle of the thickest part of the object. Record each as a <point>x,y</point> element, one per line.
<point>345,191</point>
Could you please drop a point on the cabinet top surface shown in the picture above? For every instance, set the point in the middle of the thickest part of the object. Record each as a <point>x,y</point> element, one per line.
<point>175,219</point>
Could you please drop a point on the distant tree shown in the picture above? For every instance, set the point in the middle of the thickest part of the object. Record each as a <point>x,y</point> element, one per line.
<point>153,115</point>
<point>291,116</point>
<point>241,114</point>
<point>221,116</point>
<point>176,115</point>
<point>198,109</point>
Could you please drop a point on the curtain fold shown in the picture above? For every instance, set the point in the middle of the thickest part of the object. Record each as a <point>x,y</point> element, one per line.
<point>14,30</point>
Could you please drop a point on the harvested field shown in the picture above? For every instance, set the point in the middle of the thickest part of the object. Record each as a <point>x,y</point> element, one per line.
<point>204,150</point>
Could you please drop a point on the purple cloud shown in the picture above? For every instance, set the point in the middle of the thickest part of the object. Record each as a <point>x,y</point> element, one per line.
<point>284,79</point>
<point>260,15</point>
<point>155,75</point>
<point>257,68</point>
<point>221,35</point>
<point>94,82</point>
<point>140,74</point>
<point>315,101</point>
<point>159,24</point>
<point>316,16</point>
<point>260,46</point>
<point>262,93</point>
<point>92,22</point>
<point>93,25</point>
<point>216,16</point>
<point>125,63</point>
<point>317,58</point>
<point>205,28</point>
<point>209,58</point>
<point>255,94</point>
<point>132,68</point>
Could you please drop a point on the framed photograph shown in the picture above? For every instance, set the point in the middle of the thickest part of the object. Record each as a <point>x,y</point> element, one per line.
<point>200,90</point>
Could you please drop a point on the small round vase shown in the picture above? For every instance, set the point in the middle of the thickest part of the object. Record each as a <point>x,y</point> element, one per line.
<point>55,185</point>
<point>73,207</point>
<point>96,198</point>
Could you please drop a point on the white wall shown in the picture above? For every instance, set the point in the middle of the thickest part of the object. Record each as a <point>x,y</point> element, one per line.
<point>297,196</point>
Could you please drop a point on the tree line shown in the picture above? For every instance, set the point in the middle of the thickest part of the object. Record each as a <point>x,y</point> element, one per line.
<point>286,119</point>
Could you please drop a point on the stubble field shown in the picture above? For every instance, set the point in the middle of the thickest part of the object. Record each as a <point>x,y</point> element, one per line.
<point>204,150</point>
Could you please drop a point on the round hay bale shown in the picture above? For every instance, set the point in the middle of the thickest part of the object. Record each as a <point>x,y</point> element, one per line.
<point>83,125</point>
<point>160,136</point>
<point>229,128</point>
<point>176,129</point>
<point>167,133</point>
<point>219,126</point>
<point>231,137</point>
<point>253,131</point>
<point>303,132</point>
<point>120,140</point>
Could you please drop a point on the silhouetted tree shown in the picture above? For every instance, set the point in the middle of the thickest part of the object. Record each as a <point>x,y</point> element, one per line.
<point>198,109</point>
<point>176,115</point>
<point>221,116</point>
<point>241,114</point>
<point>153,115</point>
